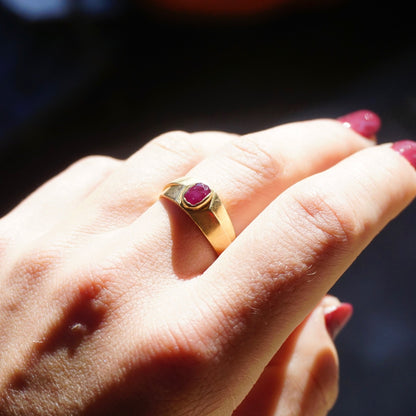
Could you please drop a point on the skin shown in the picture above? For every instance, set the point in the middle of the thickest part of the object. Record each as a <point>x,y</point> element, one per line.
<point>113,302</point>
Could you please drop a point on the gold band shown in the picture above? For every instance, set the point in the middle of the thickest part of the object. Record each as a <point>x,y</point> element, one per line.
<point>205,208</point>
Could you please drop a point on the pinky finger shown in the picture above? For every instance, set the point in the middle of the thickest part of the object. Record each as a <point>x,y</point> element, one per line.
<point>302,378</point>
<point>50,203</point>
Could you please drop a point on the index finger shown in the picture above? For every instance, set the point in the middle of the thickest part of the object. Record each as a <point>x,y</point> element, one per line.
<point>294,251</point>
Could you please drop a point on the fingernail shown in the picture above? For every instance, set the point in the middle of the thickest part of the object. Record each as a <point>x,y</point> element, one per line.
<point>336,317</point>
<point>364,122</point>
<point>407,148</point>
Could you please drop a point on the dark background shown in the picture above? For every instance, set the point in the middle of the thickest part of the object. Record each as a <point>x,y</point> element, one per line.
<point>106,85</point>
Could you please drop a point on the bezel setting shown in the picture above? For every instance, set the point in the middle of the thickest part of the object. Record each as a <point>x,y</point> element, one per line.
<point>204,201</point>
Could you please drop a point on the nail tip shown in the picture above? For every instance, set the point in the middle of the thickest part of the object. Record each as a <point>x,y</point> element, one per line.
<point>365,122</point>
<point>337,319</point>
<point>406,148</point>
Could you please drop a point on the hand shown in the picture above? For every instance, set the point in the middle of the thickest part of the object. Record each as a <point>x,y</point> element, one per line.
<point>113,302</point>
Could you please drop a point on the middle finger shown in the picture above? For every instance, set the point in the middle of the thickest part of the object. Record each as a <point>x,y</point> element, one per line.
<point>248,173</point>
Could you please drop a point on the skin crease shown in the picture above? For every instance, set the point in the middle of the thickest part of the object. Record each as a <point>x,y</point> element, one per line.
<point>113,302</point>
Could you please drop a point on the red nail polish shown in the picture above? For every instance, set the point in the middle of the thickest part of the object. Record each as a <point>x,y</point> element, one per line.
<point>407,148</point>
<point>364,122</point>
<point>337,318</point>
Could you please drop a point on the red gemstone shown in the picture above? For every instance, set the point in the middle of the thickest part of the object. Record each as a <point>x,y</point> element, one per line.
<point>196,194</point>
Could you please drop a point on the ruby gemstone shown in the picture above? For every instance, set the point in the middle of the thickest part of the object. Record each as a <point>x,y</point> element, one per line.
<point>196,194</point>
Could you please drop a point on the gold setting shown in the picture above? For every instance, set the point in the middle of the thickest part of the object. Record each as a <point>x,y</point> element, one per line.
<point>201,205</point>
<point>210,215</point>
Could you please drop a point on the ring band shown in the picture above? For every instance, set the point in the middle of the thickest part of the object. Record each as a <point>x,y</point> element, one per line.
<point>205,208</point>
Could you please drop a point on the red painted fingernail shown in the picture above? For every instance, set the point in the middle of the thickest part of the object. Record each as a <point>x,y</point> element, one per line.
<point>407,148</point>
<point>364,122</point>
<point>337,317</point>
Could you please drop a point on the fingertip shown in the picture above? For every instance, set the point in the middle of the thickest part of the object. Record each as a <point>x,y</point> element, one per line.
<point>406,148</point>
<point>364,122</point>
<point>329,301</point>
<point>336,317</point>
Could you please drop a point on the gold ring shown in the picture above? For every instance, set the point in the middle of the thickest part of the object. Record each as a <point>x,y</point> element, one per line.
<point>205,208</point>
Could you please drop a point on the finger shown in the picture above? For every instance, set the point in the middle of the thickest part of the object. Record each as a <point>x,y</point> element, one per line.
<point>291,255</point>
<point>302,377</point>
<point>108,179</point>
<point>252,170</point>
<point>133,184</point>
<point>247,173</point>
<point>138,182</point>
<point>127,194</point>
<point>49,204</point>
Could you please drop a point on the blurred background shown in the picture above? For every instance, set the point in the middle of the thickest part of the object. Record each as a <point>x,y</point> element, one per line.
<point>104,77</point>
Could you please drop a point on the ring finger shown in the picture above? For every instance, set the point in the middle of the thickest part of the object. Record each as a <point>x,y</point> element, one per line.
<point>248,173</point>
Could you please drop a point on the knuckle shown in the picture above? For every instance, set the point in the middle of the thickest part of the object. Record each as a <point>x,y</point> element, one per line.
<point>95,162</point>
<point>176,142</point>
<point>209,134</point>
<point>76,308</point>
<point>91,280</point>
<point>35,264</point>
<point>86,299</point>
<point>25,272</point>
<point>252,155</point>
<point>331,221</point>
